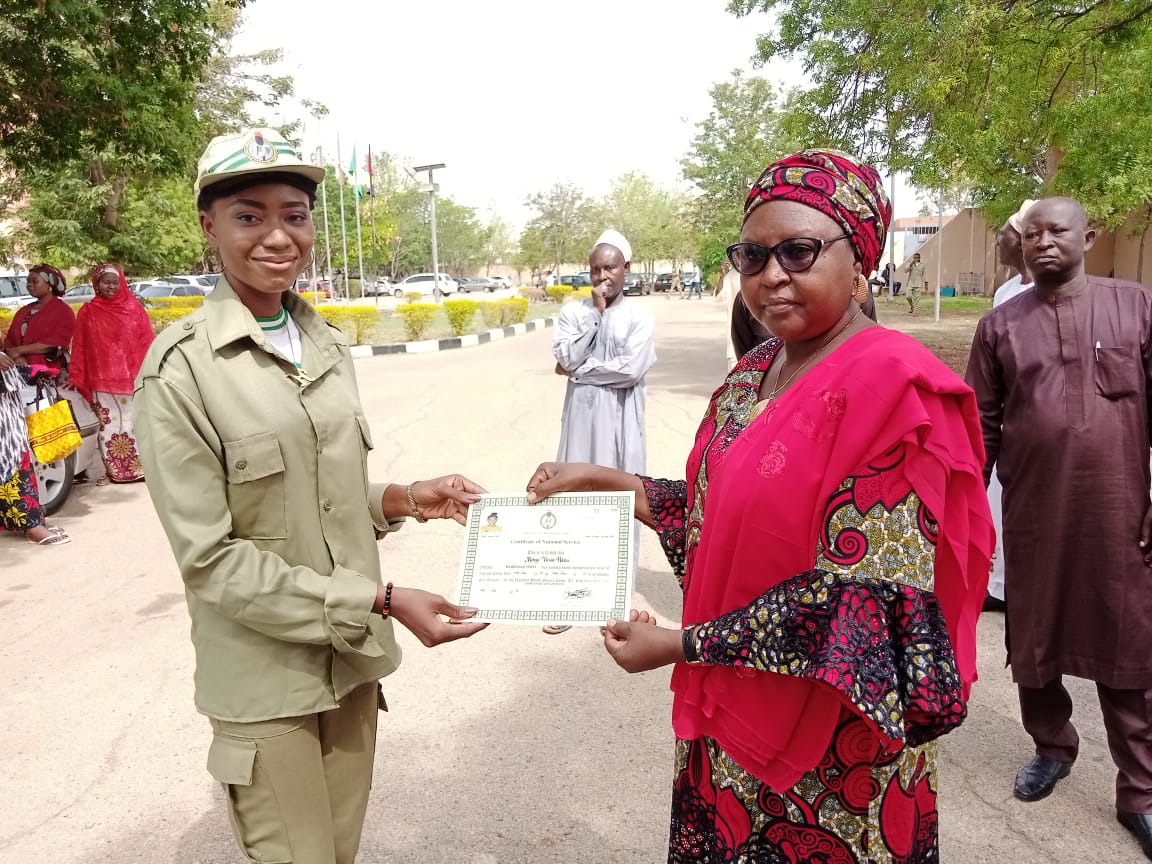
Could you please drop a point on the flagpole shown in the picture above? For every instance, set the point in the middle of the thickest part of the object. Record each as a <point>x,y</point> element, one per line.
<point>372,219</point>
<point>324,207</point>
<point>343,225</point>
<point>359,237</point>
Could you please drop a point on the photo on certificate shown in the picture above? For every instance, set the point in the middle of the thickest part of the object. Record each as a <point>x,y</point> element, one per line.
<point>565,560</point>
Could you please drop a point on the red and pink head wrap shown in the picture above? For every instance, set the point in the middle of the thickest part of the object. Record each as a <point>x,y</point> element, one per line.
<point>848,191</point>
<point>52,276</point>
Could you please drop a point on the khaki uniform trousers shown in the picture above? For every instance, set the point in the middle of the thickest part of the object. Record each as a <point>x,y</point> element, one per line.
<point>297,787</point>
<point>913,297</point>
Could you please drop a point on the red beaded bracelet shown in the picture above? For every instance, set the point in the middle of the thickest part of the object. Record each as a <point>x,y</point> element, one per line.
<point>386,610</point>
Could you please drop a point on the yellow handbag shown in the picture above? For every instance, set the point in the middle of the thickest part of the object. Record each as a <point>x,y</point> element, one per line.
<point>53,433</point>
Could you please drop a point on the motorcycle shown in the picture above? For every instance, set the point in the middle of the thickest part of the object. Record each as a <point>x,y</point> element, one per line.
<point>54,480</point>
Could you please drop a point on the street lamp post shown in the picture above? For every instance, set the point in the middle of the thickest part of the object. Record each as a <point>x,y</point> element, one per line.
<point>431,190</point>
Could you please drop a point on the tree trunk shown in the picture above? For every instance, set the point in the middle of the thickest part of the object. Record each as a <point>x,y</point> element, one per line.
<point>112,205</point>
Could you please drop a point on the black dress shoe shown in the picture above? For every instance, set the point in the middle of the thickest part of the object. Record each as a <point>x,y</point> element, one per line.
<point>1139,824</point>
<point>994,604</point>
<point>1038,778</point>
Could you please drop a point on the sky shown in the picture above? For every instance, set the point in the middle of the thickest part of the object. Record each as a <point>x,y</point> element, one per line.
<point>514,95</point>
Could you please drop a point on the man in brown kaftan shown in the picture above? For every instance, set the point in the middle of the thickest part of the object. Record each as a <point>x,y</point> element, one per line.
<point>1063,375</point>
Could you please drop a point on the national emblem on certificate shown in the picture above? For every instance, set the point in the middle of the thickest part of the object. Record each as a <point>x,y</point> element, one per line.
<point>565,560</point>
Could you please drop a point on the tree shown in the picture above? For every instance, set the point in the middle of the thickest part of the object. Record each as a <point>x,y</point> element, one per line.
<point>1012,100</point>
<point>652,218</point>
<point>560,232</point>
<point>158,232</point>
<point>459,237</point>
<point>740,137</point>
<point>73,203</point>
<point>92,76</point>
<point>498,243</point>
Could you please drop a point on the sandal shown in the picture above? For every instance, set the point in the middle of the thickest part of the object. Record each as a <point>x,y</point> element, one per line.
<point>104,481</point>
<point>53,539</point>
<point>556,629</point>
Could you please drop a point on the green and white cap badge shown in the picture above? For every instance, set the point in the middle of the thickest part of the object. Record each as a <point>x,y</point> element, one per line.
<point>253,151</point>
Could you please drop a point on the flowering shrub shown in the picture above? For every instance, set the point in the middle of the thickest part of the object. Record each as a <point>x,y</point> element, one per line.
<point>513,310</point>
<point>166,302</point>
<point>417,318</point>
<point>461,314</point>
<point>490,310</point>
<point>5,322</point>
<point>558,293</point>
<point>163,316</point>
<point>358,323</point>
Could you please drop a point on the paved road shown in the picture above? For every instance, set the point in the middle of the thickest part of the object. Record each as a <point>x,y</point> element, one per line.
<point>513,747</point>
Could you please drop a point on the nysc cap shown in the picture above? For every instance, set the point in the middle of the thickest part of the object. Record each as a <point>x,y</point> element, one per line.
<point>253,151</point>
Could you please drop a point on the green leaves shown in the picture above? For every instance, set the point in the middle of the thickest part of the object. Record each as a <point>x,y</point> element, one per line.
<point>1009,99</point>
<point>77,74</point>
<point>741,136</point>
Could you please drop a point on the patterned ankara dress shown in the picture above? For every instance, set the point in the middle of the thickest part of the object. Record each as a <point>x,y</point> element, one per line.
<point>19,504</point>
<point>864,618</point>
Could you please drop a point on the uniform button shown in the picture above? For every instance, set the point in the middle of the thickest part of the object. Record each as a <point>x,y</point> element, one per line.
<point>187,325</point>
<point>327,505</point>
<point>241,464</point>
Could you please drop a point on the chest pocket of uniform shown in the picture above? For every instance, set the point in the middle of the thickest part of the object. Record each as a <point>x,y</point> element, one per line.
<point>255,471</point>
<point>365,432</point>
<point>1118,373</point>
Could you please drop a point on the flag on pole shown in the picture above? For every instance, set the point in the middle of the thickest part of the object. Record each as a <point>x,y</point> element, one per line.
<point>371,176</point>
<point>353,175</point>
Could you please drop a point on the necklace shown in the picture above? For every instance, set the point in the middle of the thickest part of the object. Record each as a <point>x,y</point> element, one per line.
<point>780,388</point>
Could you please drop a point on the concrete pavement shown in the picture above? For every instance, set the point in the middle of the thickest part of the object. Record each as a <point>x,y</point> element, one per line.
<point>510,747</point>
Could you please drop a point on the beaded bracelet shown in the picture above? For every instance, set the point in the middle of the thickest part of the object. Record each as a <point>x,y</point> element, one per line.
<point>386,609</point>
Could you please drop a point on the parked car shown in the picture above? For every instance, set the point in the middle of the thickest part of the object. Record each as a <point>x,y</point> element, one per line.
<point>579,280</point>
<point>322,288</point>
<point>381,287</point>
<point>14,292</point>
<point>198,281</point>
<point>666,282</point>
<point>480,283</point>
<point>153,290</point>
<point>426,283</point>
<point>80,294</point>
<point>501,282</point>
<point>636,283</point>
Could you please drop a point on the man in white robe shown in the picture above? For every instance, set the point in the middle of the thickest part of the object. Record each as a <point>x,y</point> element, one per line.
<point>604,346</point>
<point>1011,253</point>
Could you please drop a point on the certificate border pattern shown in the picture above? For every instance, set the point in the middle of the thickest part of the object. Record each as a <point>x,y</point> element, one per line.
<point>623,563</point>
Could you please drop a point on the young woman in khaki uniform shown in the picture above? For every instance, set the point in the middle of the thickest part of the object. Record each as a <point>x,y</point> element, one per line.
<point>255,446</point>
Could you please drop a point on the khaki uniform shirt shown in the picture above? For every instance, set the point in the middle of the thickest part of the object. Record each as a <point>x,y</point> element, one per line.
<point>259,477</point>
<point>915,275</point>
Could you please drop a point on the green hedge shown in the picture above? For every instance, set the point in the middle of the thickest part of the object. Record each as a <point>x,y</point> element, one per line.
<point>461,314</point>
<point>417,318</point>
<point>358,323</point>
<point>513,310</point>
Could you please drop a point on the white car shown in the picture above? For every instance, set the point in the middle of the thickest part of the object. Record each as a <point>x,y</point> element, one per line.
<point>195,281</point>
<point>426,283</point>
<point>501,282</point>
<point>381,287</point>
<point>14,292</point>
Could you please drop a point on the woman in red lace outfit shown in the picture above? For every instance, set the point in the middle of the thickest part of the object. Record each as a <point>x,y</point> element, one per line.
<point>832,540</point>
<point>113,333</point>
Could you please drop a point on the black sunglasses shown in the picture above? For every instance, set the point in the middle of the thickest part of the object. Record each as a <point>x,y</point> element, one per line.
<point>795,255</point>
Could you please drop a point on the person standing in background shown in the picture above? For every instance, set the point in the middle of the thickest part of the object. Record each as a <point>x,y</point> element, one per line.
<point>604,346</point>
<point>915,271</point>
